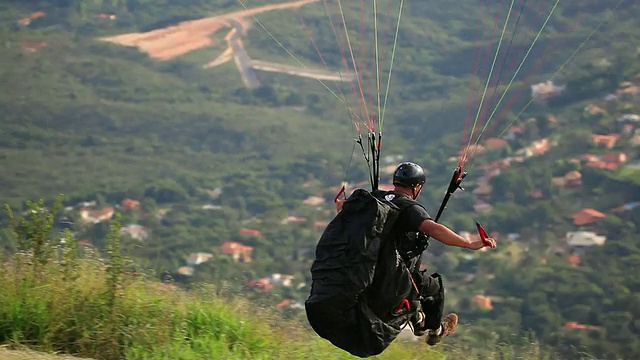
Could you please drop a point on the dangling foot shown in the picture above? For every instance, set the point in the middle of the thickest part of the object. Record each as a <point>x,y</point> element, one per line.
<point>447,328</point>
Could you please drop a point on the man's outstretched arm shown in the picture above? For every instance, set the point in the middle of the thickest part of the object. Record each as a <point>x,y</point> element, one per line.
<point>449,237</point>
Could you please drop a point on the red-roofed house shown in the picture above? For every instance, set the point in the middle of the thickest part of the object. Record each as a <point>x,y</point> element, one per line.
<point>574,259</point>
<point>186,270</point>
<point>587,217</point>
<point>251,232</point>
<point>609,161</point>
<point>27,20</point>
<point>609,141</point>
<point>483,301</point>
<point>602,165</point>
<point>262,284</point>
<point>238,251</point>
<point>130,204</point>
<point>614,158</point>
<point>495,143</point>
<point>573,325</point>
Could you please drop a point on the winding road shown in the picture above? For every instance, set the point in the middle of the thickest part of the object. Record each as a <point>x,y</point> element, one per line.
<point>177,40</point>
<point>241,57</point>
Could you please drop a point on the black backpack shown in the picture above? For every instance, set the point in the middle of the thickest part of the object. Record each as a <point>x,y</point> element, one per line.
<point>358,277</point>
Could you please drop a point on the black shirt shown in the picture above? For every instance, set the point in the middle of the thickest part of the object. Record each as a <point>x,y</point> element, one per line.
<point>405,230</point>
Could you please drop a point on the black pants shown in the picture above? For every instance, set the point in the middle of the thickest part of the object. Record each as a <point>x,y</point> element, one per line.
<point>432,295</point>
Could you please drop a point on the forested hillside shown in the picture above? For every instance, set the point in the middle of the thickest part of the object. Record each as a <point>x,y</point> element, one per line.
<point>224,182</point>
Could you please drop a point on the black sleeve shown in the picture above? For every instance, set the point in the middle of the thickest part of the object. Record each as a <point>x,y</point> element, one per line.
<point>415,215</point>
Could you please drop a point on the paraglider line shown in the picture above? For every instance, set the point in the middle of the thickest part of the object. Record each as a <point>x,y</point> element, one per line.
<point>292,55</point>
<point>346,101</point>
<point>375,35</point>
<point>353,60</point>
<point>484,93</point>
<point>393,54</point>
<point>565,63</point>
<point>518,69</point>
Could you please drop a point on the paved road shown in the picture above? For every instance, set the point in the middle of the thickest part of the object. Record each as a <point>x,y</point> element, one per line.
<point>241,57</point>
<point>299,71</point>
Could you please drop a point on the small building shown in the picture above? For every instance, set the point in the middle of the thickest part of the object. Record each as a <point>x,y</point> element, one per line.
<point>135,231</point>
<point>186,270</point>
<point>238,251</point>
<point>251,232</point>
<point>495,143</point>
<point>574,325</point>
<point>584,239</point>
<point>608,141</point>
<point>483,302</point>
<point>262,284</point>
<point>543,91</point>
<point>587,217</point>
<point>130,204</point>
<point>96,216</point>
<point>198,258</point>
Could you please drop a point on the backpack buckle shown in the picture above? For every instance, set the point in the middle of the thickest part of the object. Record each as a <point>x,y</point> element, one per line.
<point>403,304</point>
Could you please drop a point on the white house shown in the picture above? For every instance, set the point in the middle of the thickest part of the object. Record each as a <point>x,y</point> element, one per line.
<point>582,239</point>
<point>198,258</point>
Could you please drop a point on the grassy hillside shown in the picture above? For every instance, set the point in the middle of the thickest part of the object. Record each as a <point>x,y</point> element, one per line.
<point>56,299</point>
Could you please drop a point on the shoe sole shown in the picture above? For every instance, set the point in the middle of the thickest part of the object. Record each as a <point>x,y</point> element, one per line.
<point>451,328</point>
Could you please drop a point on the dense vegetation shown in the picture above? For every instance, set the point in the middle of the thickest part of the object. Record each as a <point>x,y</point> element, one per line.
<point>96,121</point>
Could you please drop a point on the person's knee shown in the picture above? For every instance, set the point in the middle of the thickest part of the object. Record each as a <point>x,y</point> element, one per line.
<point>431,286</point>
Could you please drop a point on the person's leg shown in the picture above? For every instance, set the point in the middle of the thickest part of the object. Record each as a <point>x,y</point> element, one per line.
<point>433,300</point>
<point>432,304</point>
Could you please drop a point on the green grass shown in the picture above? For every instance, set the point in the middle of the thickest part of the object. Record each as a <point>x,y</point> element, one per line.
<point>147,321</point>
<point>92,306</point>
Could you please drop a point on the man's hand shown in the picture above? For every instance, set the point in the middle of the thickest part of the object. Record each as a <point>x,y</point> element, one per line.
<point>479,244</point>
<point>339,203</point>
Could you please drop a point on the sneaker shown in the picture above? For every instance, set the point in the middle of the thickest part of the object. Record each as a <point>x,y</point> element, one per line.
<point>448,327</point>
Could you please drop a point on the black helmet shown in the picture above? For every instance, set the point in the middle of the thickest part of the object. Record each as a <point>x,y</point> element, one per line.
<point>408,174</point>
